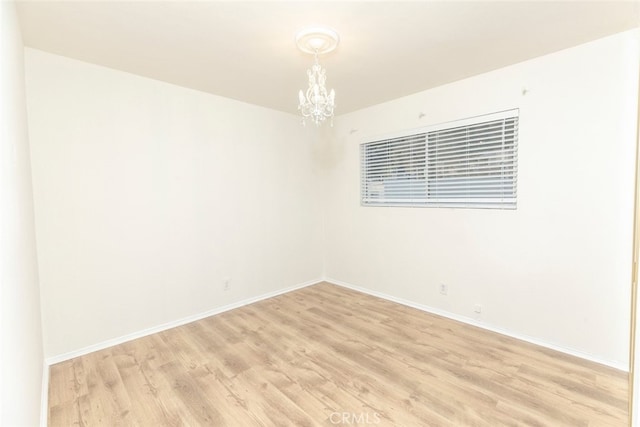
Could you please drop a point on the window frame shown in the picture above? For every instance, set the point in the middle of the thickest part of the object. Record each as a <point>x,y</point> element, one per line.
<point>504,203</point>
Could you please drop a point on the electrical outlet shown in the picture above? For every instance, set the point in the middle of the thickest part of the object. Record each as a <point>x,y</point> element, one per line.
<point>444,289</point>
<point>477,309</point>
<point>226,283</point>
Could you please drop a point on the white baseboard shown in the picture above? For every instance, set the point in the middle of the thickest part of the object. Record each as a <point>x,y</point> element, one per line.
<point>179,322</point>
<point>473,322</point>
<point>44,397</point>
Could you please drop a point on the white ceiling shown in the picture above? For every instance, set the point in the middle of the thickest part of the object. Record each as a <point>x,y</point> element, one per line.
<point>246,50</point>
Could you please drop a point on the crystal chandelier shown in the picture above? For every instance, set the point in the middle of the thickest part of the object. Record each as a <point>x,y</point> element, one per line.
<point>316,103</point>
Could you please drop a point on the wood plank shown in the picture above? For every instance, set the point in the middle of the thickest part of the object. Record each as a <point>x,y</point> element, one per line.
<point>318,354</point>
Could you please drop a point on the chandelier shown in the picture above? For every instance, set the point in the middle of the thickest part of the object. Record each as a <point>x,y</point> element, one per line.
<point>316,103</point>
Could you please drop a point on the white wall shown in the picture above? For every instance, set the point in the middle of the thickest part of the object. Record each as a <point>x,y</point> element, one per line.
<point>556,270</point>
<point>21,355</point>
<point>147,195</point>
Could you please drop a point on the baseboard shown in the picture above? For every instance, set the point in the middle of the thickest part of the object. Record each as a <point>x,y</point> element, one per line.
<point>473,322</point>
<point>44,397</point>
<point>155,329</point>
<point>163,327</point>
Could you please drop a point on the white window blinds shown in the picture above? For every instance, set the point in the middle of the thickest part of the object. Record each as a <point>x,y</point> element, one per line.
<point>395,171</point>
<point>470,163</point>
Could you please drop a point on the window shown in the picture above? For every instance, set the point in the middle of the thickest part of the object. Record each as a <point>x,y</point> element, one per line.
<point>468,163</point>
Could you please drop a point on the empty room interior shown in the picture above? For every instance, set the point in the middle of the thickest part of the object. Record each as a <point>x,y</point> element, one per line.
<point>318,213</point>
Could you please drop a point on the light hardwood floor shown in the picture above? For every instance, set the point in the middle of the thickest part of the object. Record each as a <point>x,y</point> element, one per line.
<point>325,355</point>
